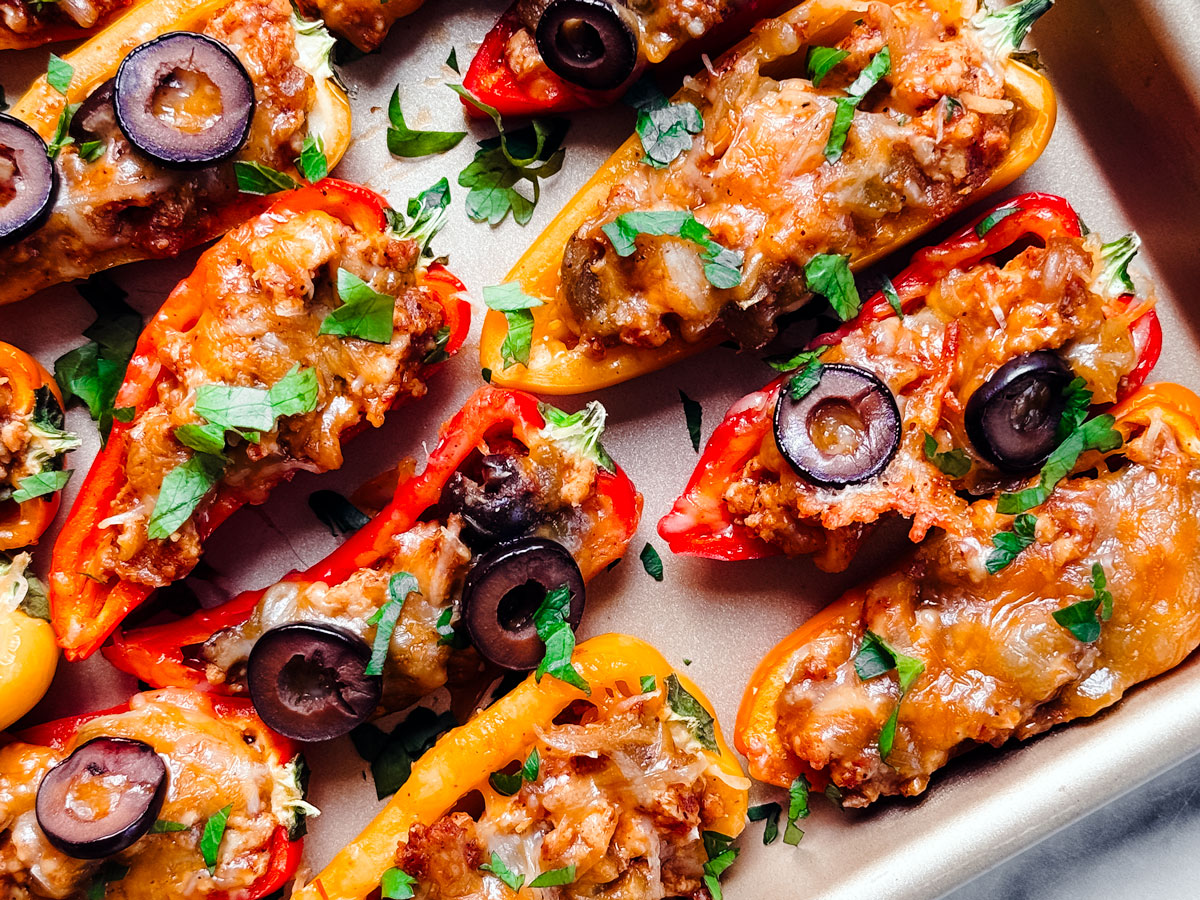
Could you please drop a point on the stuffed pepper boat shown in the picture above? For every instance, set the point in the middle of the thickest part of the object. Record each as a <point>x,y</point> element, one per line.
<point>137,144</point>
<point>547,56</point>
<point>294,332</point>
<point>28,653</point>
<point>955,381</point>
<point>33,443</point>
<point>514,502</point>
<point>619,787</point>
<point>1061,598</point>
<point>174,794</point>
<point>911,110</point>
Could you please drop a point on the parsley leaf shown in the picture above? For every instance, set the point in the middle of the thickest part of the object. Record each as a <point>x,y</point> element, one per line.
<point>875,653</point>
<point>1080,619</point>
<point>550,619</point>
<point>504,784</point>
<point>44,482</point>
<point>554,877</point>
<point>110,871</point>
<point>1100,592</point>
<point>61,136</point>
<point>692,414</point>
<point>503,872</point>
<point>821,60</point>
<point>1004,30</point>
<point>797,809</point>
<point>452,59</point>
<point>392,755</point>
<point>952,106</point>
<point>664,128</point>
<point>893,298</point>
<point>955,463</point>
<point>652,562</point>
<point>396,884</point>
<point>337,513</point>
<point>447,633</point>
<point>90,151</point>
<point>1116,256</point>
<point>879,66</point>
<point>532,766</point>
<point>768,812</point>
<point>59,73</point>
<point>166,826</point>
<point>261,180</point>
<point>428,213</point>
<point>1010,543</point>
<point>210,841</point>
<point>516,305</point>
<point>829,275</point>
<point>722,266</point>
<point>648,683</point>
<point>1095,434</point>
<point>834,794</point>
<point>385,618</point>
<point>579,432</point>
<point>994,218</point>
<point>242,409</point>
<point>802,383</point>
<point>406,142</point>
<point>687,709</point>
<point>502,162</point>
<point>365,313</point>
<point>183,488</point>
<point>312,163</point>
<point>720,857</point>
<point>1077,400</point>
<point>798,360</point>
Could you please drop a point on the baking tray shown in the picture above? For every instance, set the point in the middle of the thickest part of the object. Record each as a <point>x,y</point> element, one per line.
<point>1126,153</point>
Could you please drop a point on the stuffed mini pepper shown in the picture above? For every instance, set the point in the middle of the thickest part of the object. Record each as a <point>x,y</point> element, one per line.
<point>775,189</point>
<point>294,332</point>
<point>955,382</point>
<point>618,785</point>
<point>174,794</point>
<point>516,500</point>
<point>1061,597</point>
<point>160,133</point>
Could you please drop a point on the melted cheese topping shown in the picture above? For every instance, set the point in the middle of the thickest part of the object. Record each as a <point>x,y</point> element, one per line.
<point>211,763</point>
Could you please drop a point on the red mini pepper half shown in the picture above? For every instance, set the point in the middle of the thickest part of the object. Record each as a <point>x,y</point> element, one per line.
<point>96,607</point>
<point>285,852</point>
<point>154,654</point>
<point>699,523</point>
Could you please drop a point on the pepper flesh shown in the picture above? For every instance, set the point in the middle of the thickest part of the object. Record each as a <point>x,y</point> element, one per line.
<point>463,759</point>
<point>88,609</point>
<point>155,654</point>
<point>21,524</point>
<point>558,361</point>
<point>285,853</point>
<point>94,63</point>
<point>700,523</point>
<point>1173,409</point>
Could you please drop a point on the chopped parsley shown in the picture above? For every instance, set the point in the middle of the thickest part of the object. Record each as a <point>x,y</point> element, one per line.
<point>692,414</point>
<point>428,213</point>
<point>1114,280</point>
<point>821,60</point>
<point>503,872</point>
<point>210,840</point>
<point>1003,30</point>
<point>183,488</point>
<point>246,409</point>
<point>391,756</point>
<point>687,709</point>
<point>769,813</point>
<point>994,218</point>
<point>955,463</point>
<point>1080,618</point>
<point>879,66</point>
<point>722,266</point>
<point>802,383</point>
<point>61,136</point>
<point>652,562</point>
<point>501,163</point>
<point>579,432</point>
<point>1077,400</point>
<point>798,360</point>
<point>1095,434</point>
<point>408,143</point>
<point>41,484</point>
<point>1010,543</point>
<point>312,163</point>
<point>829,275</point>
<point>648,683</point>
<point>396,884</point>
<point>59,73</point>
<point>952,107</point>
<point>261,180</point>
<point>665,129</point>
<point>90,151</point>
<point>797,809</point>
<point>365,313</point>
<point>550,619</point>
<point>385,618</point>
<point>893,298</point>
<point>555,877</point>
<point>166,826</point>
<point>876,657</point>
<point>452,60</point>
<point>515,304</point>
<point>720,857</point>
<point>447,633</point>
<point>507,785</point>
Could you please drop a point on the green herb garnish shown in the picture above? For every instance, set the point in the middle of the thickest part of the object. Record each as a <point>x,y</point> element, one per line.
<point>210,840</point>
<point>516,305</point>
<point>1080,618</point>
<point>995,217</point>
<point>261,180</point>
<point>312,163</point>
<point>365,313</point>
<point>955,463</point>
<point>392,755</point>
<point>90,151</point>
<point>821,60</point>
<point>183,488</point>
<point>1114,280</point>
<point>797,809</point>
<point>652,562</point>
<point>579,432</point>
<point>720,857</point>
<point>648,683</point>
<point>893,298</point>
<point>829,275</point>
<point>385,618</point>
<point>503,872</point>
<point>879,66</point>
<point>1095,434</point>
<point>396,884</point>
<point>722,266</point>
<point>428,215</point>
<point>550,619</point>
<point>875,657</point>
<point>665,129</point>
<point>554,877</point>
<point>41,484</point>
<point>687,709</point>
<point>768,812</point>
<point>1010,543</point>
<point>407,142</point>
<point>59,73</point>
<point>452,59</point>
<point>335,512</point>
<point>1004,30</point>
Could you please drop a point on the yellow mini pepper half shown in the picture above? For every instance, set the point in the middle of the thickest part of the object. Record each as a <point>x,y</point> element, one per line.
<point>28,652</point>
<point>463,759</point>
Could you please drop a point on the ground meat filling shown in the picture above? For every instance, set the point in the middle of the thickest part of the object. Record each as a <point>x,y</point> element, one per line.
<point>558,501</point>
<point>23,19</point>
<point>210,764</point>
<point>758,177</point>
<point>262,318</point>
<point>997,664</point>
<point>619,795</point>
<point>973,322</point>
<point>14,442</point>
<point>126,206</point>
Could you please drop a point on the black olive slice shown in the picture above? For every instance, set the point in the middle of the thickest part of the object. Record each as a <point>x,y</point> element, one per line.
<point>844,431</point>
<point>28,180</point>
<point>1012,419</point>
<point>102,797</point>
<point>184,100</point>
<point>500,506</point>
<point>307,681</point>
<point>586,42</point>
<point>503,591</point>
